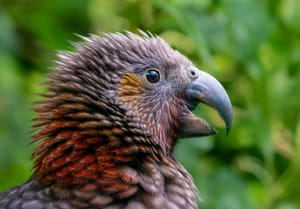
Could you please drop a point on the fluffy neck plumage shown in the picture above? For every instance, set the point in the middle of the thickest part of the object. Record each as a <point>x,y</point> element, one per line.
<point>82,146</point>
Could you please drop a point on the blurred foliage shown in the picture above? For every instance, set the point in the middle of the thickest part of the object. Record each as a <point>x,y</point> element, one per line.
<point>251,46</point>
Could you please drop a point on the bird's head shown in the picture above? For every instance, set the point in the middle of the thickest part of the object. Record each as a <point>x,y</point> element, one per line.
<point>130,83</point>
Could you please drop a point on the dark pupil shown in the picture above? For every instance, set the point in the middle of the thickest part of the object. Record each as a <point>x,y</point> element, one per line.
<point>152,76</point>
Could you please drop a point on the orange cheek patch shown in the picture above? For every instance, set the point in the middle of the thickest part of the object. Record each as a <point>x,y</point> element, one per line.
<point>130,85</point>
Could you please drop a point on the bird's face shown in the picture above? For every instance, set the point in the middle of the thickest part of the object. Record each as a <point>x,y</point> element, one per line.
<point>161,87</point>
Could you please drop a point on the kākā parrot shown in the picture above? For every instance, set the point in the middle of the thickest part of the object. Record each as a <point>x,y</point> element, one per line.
<point>107,127</point>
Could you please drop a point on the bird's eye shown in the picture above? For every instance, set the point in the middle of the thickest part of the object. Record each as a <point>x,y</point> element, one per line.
<point>153,75</point>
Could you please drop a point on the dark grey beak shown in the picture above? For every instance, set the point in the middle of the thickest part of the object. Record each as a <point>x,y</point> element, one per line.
<point>206,89</point>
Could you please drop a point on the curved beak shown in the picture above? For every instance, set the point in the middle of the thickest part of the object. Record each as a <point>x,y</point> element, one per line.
<point>206,89</point>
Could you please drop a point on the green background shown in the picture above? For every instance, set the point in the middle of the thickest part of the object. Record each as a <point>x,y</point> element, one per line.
<point>251,46</point>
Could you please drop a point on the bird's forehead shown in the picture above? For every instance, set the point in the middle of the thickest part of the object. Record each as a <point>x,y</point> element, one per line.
<point>143,50</point>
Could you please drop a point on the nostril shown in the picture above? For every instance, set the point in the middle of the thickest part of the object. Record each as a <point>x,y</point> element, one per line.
<point>193,73</point>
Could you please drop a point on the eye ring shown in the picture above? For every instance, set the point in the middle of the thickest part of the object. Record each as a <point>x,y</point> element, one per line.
<point>152,75</point>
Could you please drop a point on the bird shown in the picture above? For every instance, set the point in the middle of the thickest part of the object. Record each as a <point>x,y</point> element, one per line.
<point>106,129</point>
